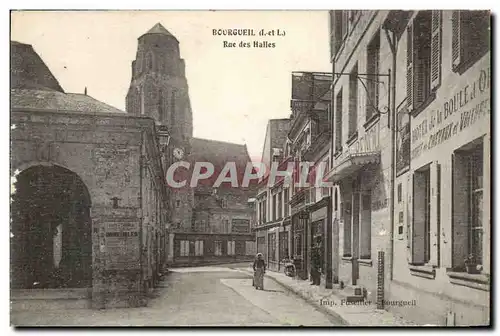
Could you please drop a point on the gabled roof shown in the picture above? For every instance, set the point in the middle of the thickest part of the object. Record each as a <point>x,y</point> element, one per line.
<point>159,29</point>
<point>28,70</point>
<point>30,99</point>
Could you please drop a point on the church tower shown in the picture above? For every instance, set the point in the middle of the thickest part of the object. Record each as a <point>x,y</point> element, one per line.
<point>159,87</point>
<point>159,90</point>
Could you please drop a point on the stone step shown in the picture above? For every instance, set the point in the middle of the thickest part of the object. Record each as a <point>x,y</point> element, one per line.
<point>49,304</point>
<point>50,299</point>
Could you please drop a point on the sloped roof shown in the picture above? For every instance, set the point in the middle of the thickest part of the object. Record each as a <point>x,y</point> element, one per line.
<point>219,153</point>
<point>28,70</point>
<point>159,29</point>
<point>58,101</point>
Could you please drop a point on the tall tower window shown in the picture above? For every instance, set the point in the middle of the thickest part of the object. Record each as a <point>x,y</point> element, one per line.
<point>149,61</point>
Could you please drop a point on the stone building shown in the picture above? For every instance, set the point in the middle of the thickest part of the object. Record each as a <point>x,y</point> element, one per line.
<point>88,194</point>
<point>411,161</point>
<point>208,224</point>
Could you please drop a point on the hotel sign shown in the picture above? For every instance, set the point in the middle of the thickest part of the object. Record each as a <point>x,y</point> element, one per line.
<point>467,105</point>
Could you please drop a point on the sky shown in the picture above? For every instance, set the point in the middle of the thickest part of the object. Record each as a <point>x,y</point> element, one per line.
<point>233,91</point>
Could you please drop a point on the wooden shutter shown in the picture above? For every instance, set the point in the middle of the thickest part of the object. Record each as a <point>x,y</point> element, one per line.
<point>418,219</point>
<point>460,211</point>
<point>456,39</point>
<point>436,46</point>
<point>409,67</point>
<point>435,176</point>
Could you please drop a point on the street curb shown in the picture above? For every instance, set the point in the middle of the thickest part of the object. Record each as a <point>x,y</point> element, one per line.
<point>321,308</point>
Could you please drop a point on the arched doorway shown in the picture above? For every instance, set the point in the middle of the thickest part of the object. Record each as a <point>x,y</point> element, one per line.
<point>51,241</point>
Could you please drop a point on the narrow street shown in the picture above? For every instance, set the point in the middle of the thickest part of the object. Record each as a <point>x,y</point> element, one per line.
<point>201,296</point>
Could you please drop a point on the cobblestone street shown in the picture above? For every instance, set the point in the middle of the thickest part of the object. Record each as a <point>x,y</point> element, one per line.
<point>204,296</point>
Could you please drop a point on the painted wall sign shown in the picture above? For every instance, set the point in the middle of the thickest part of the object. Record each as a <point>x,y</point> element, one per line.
<point>456,114</point>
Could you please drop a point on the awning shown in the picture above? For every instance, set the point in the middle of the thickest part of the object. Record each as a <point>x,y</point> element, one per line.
<point>352,164</point>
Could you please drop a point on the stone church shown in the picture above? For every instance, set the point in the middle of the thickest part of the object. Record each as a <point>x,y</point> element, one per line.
<point>208,224</point>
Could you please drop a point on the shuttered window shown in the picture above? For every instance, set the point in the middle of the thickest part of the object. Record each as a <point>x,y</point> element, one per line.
<point>338,122</point>
<point>198,248</point>
<point>425,217</point>
<point>353,101</point>
<point>423,61</point>
<point>184,248</point>
<point>470,37</point>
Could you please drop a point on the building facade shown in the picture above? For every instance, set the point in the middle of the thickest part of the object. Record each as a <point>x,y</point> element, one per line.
<point>411,149</point>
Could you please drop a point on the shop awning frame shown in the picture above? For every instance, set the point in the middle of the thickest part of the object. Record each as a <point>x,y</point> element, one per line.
<point>351,165</point>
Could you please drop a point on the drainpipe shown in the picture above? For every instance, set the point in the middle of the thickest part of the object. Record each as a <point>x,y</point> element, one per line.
<point>392,124</point>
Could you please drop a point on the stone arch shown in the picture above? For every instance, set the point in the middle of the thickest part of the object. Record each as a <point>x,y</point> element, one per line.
<point>51,228</point>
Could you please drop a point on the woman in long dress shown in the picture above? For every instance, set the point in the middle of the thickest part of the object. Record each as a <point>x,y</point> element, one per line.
<point>259,268</point>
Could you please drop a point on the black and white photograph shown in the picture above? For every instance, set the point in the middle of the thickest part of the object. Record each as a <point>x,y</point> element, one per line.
<point>230,168</point>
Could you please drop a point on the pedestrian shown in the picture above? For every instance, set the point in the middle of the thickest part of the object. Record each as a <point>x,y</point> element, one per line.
<point>259,268</point>
<point>316,263</point>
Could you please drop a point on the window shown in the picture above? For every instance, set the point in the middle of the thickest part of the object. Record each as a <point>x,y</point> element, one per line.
<point>225,226</point>
<point>264,207</point>
<point>274,207</point>
<point>177,203</point>
<point>468,205</point>
<point>423,74</point>
<point>250,248</point>
<point>286,201</point>
<point>240,247</point>
<point>339,23</point>
<point>272,246</point>
<point>366,222</point>
<point>338,122</point>
<point>373,57</point>
<point>230,247</point>
<point>223,203</point>
<point>280,205</point>
<point>218,248</point>
<point>240,225</point>
<point>425,222</point>
<point>421,216</point>
<point>353,101</point>
<point>283,245</point>
<point>198,248</point>
<point>470,37</point>
<point>184,248</point>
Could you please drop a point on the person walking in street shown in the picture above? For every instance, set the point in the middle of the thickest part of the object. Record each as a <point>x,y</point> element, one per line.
<point>259,268</point>
<point>316,263</point>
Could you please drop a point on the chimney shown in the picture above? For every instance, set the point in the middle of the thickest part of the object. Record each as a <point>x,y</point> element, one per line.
<point>85,91</point>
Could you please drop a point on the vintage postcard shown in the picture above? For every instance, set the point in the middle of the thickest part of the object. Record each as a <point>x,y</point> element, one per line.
<point>250,168</point>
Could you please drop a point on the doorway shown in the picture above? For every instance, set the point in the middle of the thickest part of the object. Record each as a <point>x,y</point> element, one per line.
<point>51,241</point>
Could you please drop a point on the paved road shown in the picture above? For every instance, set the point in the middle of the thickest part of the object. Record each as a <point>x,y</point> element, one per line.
<point>204,296</point>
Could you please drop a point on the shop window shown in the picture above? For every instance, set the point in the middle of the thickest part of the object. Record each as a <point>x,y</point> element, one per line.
<point>353,102</point>
<point>184,248</point>
<point>423,59</point>
<point>283,245</point>
<point>218,248</point>
<point>468,206</point>
<point>365,229</point>
<point>338,122</point>
<point>470,37</point>
<point>272,246</point>
<point>373,57</point>
<point>198,248</point>
<point>231,247</point>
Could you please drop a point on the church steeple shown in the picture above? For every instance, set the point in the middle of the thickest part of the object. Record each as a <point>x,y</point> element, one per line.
<point>158,88</point>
